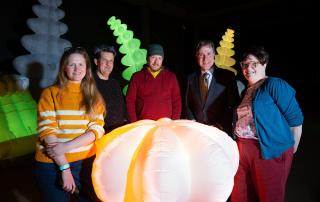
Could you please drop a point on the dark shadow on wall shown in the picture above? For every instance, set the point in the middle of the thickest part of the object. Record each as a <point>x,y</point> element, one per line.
<point>35,73</point>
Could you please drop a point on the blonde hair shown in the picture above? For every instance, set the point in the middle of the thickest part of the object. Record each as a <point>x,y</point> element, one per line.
<point>91,95</point>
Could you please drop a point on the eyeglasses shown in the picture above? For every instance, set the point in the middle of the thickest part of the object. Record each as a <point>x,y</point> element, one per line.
<point>244,65</point>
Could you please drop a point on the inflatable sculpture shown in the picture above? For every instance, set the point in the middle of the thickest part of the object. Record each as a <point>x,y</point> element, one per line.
<point>224,58</point>
<point>18,118</point>
<point>165,160</point>
<point>134,57</point>
<point>45,46</point>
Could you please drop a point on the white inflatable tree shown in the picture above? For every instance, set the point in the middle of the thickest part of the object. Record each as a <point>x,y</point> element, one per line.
<point>45,46</point>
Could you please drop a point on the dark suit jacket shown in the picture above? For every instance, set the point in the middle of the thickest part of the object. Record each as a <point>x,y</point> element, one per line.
<point>222,98</point>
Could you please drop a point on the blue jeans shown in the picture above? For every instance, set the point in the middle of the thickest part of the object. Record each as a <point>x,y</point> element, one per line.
<point>48,177</point>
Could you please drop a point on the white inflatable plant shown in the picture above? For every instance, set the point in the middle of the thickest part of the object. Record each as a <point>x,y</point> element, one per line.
<point>45,46</point>
<point>163,161</point>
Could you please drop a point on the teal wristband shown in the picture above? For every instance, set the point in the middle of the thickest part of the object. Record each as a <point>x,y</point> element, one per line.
<point>64,167</point>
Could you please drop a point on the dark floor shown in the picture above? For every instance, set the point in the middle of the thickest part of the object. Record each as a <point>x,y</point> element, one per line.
<point>17,183</point>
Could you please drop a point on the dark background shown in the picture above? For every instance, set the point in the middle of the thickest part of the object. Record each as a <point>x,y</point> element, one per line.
<point>286,28</point>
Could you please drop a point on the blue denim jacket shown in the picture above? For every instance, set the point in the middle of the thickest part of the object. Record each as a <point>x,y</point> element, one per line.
<point>275,110</point>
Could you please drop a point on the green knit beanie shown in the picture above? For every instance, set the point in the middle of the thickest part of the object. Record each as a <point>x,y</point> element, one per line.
<point>155,49</point>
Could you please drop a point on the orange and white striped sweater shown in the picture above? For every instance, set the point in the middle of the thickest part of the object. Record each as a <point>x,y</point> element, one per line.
<point>60,114</point>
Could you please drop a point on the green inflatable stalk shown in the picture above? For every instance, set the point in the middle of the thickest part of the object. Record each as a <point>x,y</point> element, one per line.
<point>134,57</point>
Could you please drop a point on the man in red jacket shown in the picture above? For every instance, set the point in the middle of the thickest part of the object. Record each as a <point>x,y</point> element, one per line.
<point>154,91</point>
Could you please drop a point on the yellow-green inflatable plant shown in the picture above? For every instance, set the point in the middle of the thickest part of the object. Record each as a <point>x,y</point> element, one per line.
<point>223,58</point>
<point>18,121</point>
<point>134,57</point>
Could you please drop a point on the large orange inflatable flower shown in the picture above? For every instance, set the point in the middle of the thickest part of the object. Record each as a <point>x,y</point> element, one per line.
<point>165,161</point>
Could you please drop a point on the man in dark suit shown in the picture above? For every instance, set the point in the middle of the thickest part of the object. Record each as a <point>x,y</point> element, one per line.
<point>211,92</point>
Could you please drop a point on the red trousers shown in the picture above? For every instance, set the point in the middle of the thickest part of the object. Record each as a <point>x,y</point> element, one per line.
<point>258,179</point>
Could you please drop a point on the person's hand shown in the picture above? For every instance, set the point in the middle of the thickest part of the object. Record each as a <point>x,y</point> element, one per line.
<point>68,183</point>
<point>56,149</point>
<point>50,141</point>
<point>52,144</point>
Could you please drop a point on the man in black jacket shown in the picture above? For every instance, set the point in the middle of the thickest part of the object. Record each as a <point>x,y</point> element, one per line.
<point>109,88</point>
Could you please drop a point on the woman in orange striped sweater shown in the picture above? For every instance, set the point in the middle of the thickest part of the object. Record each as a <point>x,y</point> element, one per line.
<point>70,120</point>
